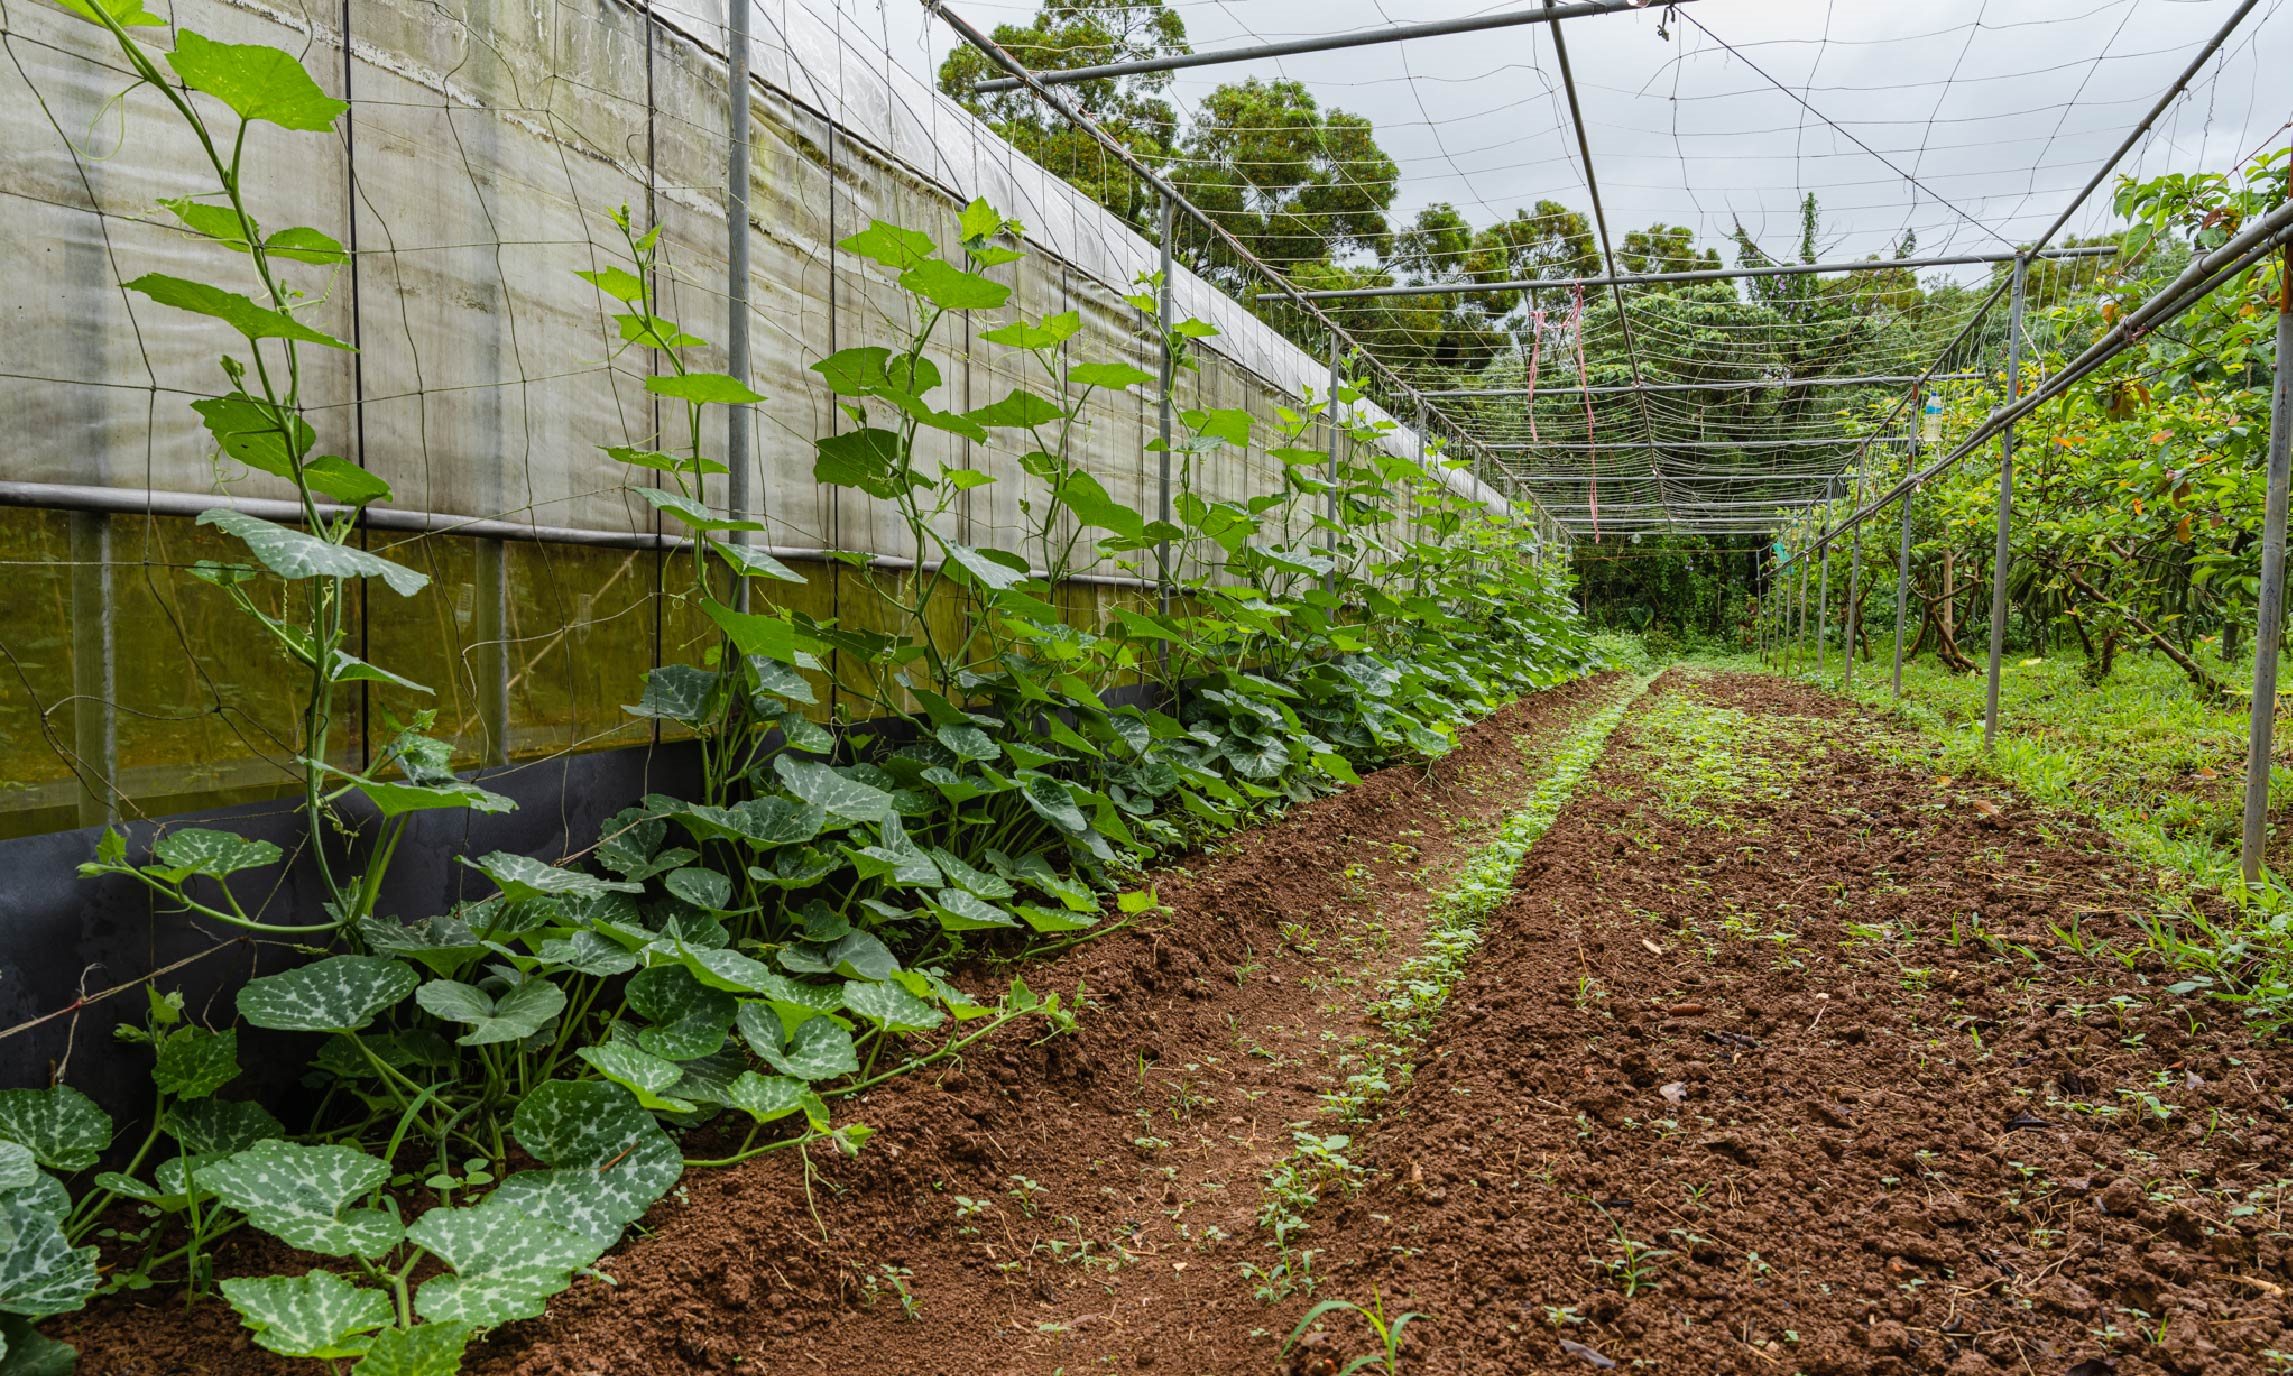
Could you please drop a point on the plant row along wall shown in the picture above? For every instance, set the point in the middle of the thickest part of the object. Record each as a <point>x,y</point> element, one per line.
<point>932,766</point>
<point>2138,497</point>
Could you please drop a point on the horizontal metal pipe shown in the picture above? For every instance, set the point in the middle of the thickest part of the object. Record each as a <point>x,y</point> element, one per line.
<point>144,501</point>
<point>1601,446</point>
<point>1400,33</point>
<point>1698,275</point>
<point>1733,384</point>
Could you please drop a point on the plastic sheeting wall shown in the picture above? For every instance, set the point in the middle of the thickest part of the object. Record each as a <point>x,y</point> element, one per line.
<point>486,145</point>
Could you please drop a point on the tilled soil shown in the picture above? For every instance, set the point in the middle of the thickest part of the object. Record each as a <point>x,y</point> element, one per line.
<point>1789,1066</point>
<point>1038,1206</point>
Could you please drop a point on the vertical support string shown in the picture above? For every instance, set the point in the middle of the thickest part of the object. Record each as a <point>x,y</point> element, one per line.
<point>2005,508</point>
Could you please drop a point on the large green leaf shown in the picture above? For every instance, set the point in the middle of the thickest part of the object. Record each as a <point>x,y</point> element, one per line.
<point>969,742</point>
<point>257,81</point>
<point>704,388</point>
<point>206,1127</point>
<point>832,791</point>
<point>983,568</point>
<point>515,1016</point>
<point>1050,333</point>
<point>522,876</point>
<point>688,1017</point>
<point>951,288</point>
<point>24,1350</point>
<point>675,692</point>
<point>302,1195</point>
<point>41,1273</point>
<point>751,562</point>
<point>193,1064</point>
<point>128,14</point>
<point>816,1050</point>
<point>337,994</point>
<point>427,1349</point>
<point>579,1123</point>
<point>1093,505</point>
<point>890,1007</point>
<point>959,911</point>
<point>506,1263</point>
<point>1109,375</point>
<point>393,798</point>
<point>643,1074</point>
<point>296,554</point>
<point>316,1314</point>
<point>609,1159</point>
<point>586,953</point>
<point>771,637</point>
<point>891,245</point>
<point>1021,410</point>
<point>61,1127</point>
<point>693,513</point>
<point>255,433</point>
<point>865,458</point>
<point>1051,801</point>
<point>19,1169</point>
<point>239,312</point>
<point>766,1097</point>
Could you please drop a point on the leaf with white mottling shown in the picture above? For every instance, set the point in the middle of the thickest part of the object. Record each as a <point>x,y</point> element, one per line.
<point>202,850</point>
<point>317,1314</point>
<point>645,1075</point>
<point>816,1050</point>
<point>193,1064</point>
<point>296,554</point>
<point>891,1007</point>
<point>18,1169</point>
<point>767,1097</point>
<point>302,1195</point>
<point>522,876</point>
<point>41,1273</point>
<point>426,1349</point>
<point>62,1127</point>
<point>337,994</point>
<point>833,792</point>
<point>515,1016</point>
<point>506,1263</point>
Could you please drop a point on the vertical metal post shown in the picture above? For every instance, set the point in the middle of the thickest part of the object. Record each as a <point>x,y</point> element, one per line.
<point>737,417</point>
<point>1903,555</point>
<point>490,647</point>
<point>1823,586</point>
<point>2005,508</point>
<point>1330,499</point>
<point>2272,609</point>
<point>1799,642</point>
<point>1854,586</point>
<point>95,669</point>
<point>1165,576</point>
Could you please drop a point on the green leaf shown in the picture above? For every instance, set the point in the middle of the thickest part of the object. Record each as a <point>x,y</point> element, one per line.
<point>428,1349</point>
<point>865,459</point>
<point>982,567</point>
<point>832,791</point>
<point>959,911</point>
<point>61,1127</point>
<point>719,389</point>
<point>41,1273</point>
<point>1093,505</point>
<point>1051,801</point>
<point>643,1074</point>
<point>257,81</point>
<point>616,282</point>
<point>343,481</point>
<point>890,1007</point>
<point>295,554</point>
<point>1053,331</point>
<point>239,312</point>
<point>766,1097</point>
<point>24,1350</point>
<point>317,1314</point>
<point>349,668</point>
<point>969,743</point>
<point>1053,920</point>
<point>689,1018</point>
<point>890,245</point>
<point>194,1064</point>
<point>767,821</point>
<point>675,692</point>
<point>515,1016</point>
<point>1109,375</point>
<point>771,637</point>
<point>1022,410</point>
<point>255,433</point>
<point>302,1195</point>
<point>201,850</point>
<point>951,288</point>
<point>659,462</point>
<point>692,513</point>
<point>392,798</point>
<point>506,1263</point>
<point>609,1159</point>
<point>816,1050</point>
<point>751,562</point>
<point>216,1127</point>
<point>586,953</point>
<point>337,994</point>
<point>700,886</point>
<point>128,14</point>
<point>19,1169</point>
<point>303,244</point>
<point>522,877</point>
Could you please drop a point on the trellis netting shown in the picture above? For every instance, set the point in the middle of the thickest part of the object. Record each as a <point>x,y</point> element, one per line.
<point>474,175</point>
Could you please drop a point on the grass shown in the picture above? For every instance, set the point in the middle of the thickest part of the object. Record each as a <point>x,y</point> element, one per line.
<point>2145,759</point>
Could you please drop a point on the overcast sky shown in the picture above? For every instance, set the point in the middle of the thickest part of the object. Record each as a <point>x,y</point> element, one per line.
<point>1982,117</point>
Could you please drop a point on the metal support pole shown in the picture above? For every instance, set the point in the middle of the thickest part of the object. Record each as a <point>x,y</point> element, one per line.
<point>1164,576</point>
<point>1330,499</point>
<point>490,647</point>
<point>1823,592</point>
<point>2272,609</point>
<point>1799,642</point>
<point>1854,607</point>
<point>1903,555</point>
<point>737,417</point>
<point>95,669</point>
<point>2005,508</point>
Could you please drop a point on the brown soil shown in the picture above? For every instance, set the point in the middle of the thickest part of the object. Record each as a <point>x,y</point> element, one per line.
<point>1105,1166</point>
<point>1881,1145</point>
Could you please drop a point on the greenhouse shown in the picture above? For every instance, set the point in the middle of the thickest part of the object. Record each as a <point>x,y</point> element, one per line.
<point>1040,686</point>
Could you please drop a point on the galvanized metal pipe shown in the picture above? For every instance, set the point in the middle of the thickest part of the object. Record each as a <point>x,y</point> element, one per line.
<point>1698,274</point>
<point>2263,721</point>
<point>2000,555</point>
<point>738,418</point>
<point>1903,556</point>
<point>1727,384</point>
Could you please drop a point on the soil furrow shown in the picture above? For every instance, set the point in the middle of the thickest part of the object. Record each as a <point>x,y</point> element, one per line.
<point>1778,1062</point>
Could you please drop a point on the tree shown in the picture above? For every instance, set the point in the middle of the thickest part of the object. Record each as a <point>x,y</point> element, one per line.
<point>1295,185</point>
<point>1066,34</point>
